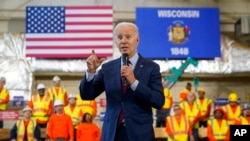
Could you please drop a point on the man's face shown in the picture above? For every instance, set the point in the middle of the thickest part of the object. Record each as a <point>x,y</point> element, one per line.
<point>218,115</point>
<point>59,109</point>
<point>201,94</point>
<point>72,101</point>
<point>41,91</point>
<point>233,103</point>
<point>56,83</point>
<point>27,114</point>
<point>177,110</point>
<point>246,112</point>
<point>126,39</point>
<point>190,97</point>
<point>2,83</point>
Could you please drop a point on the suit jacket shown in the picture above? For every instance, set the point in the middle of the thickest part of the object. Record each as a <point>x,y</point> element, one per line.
<point>137,105</point>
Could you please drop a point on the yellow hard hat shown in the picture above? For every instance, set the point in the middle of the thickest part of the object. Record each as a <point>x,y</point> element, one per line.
<point>233,97</point>
<point>201,90</point>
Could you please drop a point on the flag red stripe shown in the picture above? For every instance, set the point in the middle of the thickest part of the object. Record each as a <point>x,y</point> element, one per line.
<point>89,23</point>
<point>90,31</point>
<point>69,47</point>
<point>87,7</point>
<point>68,39</point>
<point>88,15</point>
<point>67,55</point>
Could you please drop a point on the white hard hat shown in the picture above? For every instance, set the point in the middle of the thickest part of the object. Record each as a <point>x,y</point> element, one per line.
<point>71,96</point>
<point>56,78</point>
<point>40,86</point>
<point>58,102</point>
<point>27,108</point>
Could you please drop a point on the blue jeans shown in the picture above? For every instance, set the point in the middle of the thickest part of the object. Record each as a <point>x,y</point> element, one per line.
<point>1,124</point>
<point>161,116</point>
<point>195,134</point>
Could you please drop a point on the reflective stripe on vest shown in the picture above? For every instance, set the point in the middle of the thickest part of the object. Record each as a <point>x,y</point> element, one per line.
<point>3,95</point>
<point>21,130</point>
<point>168,95</point>
<point>60,95</point>
<point>41,107</point>
<point>219,132</point>
<point>231,117</point>
<point>180,131</point>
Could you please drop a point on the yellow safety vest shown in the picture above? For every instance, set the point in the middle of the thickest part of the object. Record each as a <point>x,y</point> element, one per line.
<point>231,117</point>
<point>21,130</point>
<point>87,106</point>
<point>168,96</point>
<point>41,107</point>
<point>75,114</point>
<point>244,121</point>
<point>3,95</point>
<point>190,114</point>
<point>180,131</point>
<point>203,107</point>
<point>219,132</point>
<point>60,95</point>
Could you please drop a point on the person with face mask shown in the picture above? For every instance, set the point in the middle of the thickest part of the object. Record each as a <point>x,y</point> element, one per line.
<point>41,104</point>
<point>244,119</point>
<point>25,129</point>
<point>218,128</point>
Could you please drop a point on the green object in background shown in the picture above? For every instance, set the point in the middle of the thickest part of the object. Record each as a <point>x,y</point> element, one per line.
<point>192,61</point>
<point>176,72</point>
<point>196,83</point>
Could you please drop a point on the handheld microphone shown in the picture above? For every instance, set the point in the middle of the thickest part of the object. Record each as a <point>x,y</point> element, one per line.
<point>124,63</point>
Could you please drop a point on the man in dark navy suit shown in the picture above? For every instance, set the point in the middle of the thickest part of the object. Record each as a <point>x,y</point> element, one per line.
<point>129,110</point>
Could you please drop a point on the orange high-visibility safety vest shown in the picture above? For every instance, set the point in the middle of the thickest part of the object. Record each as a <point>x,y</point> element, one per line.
<point>168,96</point>
<point>190,114</point>
<point>54,95</point>
<point>41,107</point>
<point>231,117</point>
<point>75,114</point>
<point>180,131</point>
<point>3,95</point>
<point>21,130</point>
<point>87,106</point>
<point>219,132</point>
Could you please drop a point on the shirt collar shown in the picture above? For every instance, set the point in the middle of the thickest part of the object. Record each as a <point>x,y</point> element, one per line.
<point>133,60</point>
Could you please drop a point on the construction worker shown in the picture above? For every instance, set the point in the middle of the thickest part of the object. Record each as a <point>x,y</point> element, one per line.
<point>244,119</point>
<point>41,104</point>
<point>178,126</point>
<point>57,92</point>
<point>25,129</point>
<point>87,130</point>
<point>73,111</point>
<point>204,105</point>
<point>184,92</point>
<point>165,110</point>
<point>60,125</point>
<point>218,128</point>
<point>4,97</point>
<point>232,109</point>
<point>191,110</point>
<point>87,106</point>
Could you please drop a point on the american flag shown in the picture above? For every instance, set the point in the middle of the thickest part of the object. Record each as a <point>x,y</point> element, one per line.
<point>69,32</point>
